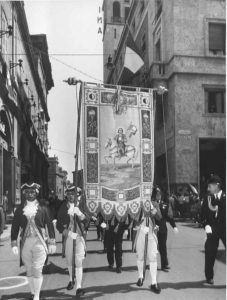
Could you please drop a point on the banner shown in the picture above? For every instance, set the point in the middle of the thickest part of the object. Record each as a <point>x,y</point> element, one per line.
<point>118,150</point>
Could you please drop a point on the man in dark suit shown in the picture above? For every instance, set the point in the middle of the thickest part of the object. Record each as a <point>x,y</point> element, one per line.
<point>213,216</point>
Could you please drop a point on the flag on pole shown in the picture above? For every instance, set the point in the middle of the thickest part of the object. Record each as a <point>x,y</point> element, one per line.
<point>133,61</point>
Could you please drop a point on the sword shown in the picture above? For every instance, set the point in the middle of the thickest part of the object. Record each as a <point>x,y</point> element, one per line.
<point>145,250</point>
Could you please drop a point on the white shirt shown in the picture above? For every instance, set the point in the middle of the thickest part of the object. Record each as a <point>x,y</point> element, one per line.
<point>218,195</point>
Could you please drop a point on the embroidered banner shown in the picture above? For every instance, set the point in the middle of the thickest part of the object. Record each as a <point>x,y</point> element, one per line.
<point>118,127</point>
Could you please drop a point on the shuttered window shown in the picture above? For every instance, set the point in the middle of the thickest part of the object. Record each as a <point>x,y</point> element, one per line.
<point>217,38</point>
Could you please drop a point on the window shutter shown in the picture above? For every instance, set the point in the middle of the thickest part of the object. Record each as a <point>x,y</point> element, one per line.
<point>216,36</point>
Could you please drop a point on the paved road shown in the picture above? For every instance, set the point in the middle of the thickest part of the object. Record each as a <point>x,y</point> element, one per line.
<point>184,281</point>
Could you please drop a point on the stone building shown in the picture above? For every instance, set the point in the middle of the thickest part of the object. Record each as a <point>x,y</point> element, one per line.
<point>25,80</point>
<point>182,43</point>
<point>115,16</point>
<point>57,179</point>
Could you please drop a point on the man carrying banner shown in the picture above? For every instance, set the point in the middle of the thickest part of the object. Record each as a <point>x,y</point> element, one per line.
<point>67,214</point>
<point>33,219</point>
<point>146,244</point>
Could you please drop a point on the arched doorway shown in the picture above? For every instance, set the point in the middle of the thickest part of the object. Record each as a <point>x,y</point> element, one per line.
<point>6,170</point>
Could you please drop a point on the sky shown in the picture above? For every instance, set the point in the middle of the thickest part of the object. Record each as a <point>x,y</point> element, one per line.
<point>71,28</point>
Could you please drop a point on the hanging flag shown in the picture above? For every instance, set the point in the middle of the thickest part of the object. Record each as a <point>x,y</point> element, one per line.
<point>133,60</point>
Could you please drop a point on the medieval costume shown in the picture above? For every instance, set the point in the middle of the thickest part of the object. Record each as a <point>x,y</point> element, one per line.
<point>147,226</point>
<point>166,210</point>
<point>213,216</point>
<point>33,219</point>
<point>121,139</point>
<point>72,223</point>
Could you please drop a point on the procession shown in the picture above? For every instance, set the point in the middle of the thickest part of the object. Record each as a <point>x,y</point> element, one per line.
<point>112,179</point>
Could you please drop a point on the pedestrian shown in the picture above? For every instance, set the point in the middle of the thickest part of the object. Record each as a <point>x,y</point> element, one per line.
<point>69,213</point>
<point>213,216</point>
<point>146,228</point>
<point>113,239</point>
<point>166,210</point>
<point>33,219</point>
<point>5,207</point>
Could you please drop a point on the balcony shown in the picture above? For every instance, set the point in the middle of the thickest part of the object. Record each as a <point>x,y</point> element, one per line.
<point>118,20</point>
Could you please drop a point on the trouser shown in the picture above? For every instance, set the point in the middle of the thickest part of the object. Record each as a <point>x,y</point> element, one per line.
<point>114,239</point>
<point>33,256</point>
<point>162,240</point>
<point>211,247</point>
<point>152,249</point>
<point>79,254</point>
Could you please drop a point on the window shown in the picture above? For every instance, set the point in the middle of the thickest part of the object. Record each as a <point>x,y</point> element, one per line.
<point>143,43</point>
<point>133,25</point>
<point>158,56</point>
<point>215,101</point>
<point>115,33</point>
<point>116,11</point>
<point>4,27</point>
<point>127,1</point>
<point>127,9</point>
<point>217,38</point>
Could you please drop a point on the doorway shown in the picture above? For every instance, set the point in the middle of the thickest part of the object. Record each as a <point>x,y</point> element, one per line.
<point>212,158</point>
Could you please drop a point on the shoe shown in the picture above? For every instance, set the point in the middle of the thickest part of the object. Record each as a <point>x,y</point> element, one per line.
<point>155,288</point>
<point>80,292</point>
<point>210,281</point>
<point>139,282</point>
<point>70,285</point>
<point>164,269</point>
<point>118,270</point>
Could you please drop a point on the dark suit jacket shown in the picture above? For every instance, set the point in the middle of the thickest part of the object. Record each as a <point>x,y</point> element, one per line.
<point>209,217</point>
<point>63,219</point>
<point>42,219</point>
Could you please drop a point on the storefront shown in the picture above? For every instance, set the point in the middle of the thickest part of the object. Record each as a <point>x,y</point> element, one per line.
<point>9,165</point>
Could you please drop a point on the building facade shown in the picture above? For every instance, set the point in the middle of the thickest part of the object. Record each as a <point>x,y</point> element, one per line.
<point>115,16</point>
<point>183,47</point>
<point>57,179</point>
<point>25,80</point>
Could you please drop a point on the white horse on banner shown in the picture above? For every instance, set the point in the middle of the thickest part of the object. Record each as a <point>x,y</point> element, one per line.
<point>130,152</point>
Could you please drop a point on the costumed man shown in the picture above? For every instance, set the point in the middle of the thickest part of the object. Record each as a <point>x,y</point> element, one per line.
<point>36,243</point>
<point>213,216</point>
<point>67,214</point>
<point>113,239</point>
<point>167,216</point>
<point>146,230</point>
<point>121,139</point>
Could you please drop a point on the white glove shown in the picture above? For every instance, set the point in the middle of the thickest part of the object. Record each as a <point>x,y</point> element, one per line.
<point>153,211</point>
<point>208,229</point>
<point>175,229</point>
<point>103,225</point>
<point>15,250</point>
<point>94,218</point>
<point>77,212</point>
<point>125,234</point>
<point>52,249</point>
<point>73,235</point>
<point>145,229</point>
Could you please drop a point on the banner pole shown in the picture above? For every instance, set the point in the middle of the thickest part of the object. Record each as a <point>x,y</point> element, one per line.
<point>76,175</point>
